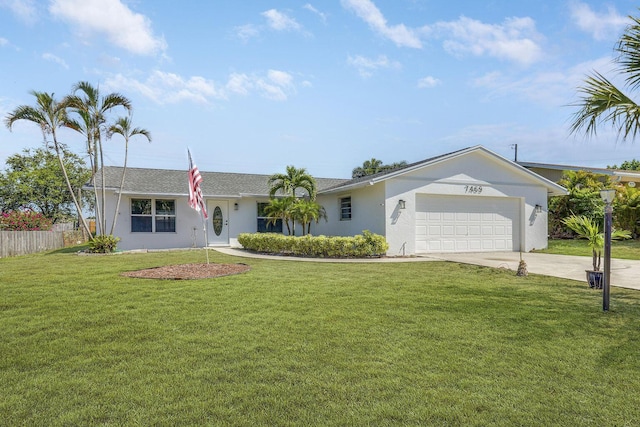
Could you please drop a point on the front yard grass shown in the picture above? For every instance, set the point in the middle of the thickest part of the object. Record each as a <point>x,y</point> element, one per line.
<point>299,343</point>
<point>624,249</point>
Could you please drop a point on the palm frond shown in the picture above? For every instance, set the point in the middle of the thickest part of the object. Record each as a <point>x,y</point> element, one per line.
<point>628,48</point>
<point>602,101</point>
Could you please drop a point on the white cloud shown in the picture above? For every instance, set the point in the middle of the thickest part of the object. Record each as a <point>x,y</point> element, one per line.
<point>309,7</point>
<point>515,39</point>
<point>428,82</point>
<point>25,10</point>
<point>368,12</point>
<point>121,26</point>
<point>280,78</point>
<point>239,83</point>
<point>245,32</point>
<point>53,58</point>
<point>366,66</point>
<point>3,41</point>
<point>276,86</point>
<point>280,21</point>
<point>551,88</point>
<point>601,26</point>
<point>168,88</point>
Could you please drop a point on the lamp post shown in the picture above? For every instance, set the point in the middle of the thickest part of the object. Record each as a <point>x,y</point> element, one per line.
<point>607,198</point>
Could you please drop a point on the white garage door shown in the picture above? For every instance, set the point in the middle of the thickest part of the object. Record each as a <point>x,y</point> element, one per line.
<point>467,224</point>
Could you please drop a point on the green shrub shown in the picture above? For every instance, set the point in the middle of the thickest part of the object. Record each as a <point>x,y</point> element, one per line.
<point>363,245</point>
<point>103,244</point>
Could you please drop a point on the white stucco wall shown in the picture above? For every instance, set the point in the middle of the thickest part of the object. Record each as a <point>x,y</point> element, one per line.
<point>450,178</point>
<point>367,213</point>
<point>189,227</point>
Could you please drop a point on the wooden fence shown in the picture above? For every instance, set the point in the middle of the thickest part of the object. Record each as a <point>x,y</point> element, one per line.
<point>14,243</point>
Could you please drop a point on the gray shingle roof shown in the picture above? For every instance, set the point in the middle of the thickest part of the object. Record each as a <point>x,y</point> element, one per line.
<point>175,182</point>
<point>218,184</point>
<point>368,178</point>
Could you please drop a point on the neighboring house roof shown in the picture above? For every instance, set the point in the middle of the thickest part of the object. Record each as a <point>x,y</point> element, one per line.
<point>175,182</point>
<point>618,174</point>
<point>552,187</point>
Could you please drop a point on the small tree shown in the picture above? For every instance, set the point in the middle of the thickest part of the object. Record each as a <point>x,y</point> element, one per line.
<point>280,208</point>
<point>288,183</point>
<point>587,228</point>
<point>307,211</point>
<point>33,180</point>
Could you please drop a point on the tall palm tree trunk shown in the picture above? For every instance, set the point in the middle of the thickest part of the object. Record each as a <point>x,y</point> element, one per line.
<point>124,171</point>
<point>103,196</point>
<point>56,147</point>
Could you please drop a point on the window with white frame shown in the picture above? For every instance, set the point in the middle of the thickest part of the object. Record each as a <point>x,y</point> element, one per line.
<point>153,216</point>
<point>345,208</point>
<point>267,224</point>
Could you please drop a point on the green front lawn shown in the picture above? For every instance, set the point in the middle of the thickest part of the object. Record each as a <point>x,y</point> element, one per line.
<point>298,343</point>
<point>625,249</point>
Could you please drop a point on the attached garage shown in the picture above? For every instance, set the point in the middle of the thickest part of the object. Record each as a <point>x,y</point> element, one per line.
<point>467,224</point>
<point>470,200</point>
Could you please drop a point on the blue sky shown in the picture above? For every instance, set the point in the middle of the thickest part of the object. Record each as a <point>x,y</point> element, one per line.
<point>253,86</point>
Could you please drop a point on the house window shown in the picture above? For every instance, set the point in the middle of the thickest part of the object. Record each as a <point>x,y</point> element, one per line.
<point>165,216</point>
<point>148,216</point>
<point>345,209</point>
<point>264,225</point>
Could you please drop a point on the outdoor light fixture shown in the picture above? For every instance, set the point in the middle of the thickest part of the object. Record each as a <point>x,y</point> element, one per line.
<point>607,198</point>
<point>401,204</point>
<point>235,206</point>
<point>538,209</point>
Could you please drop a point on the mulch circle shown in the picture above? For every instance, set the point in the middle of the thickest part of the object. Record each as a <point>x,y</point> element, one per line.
<point>188,271</point>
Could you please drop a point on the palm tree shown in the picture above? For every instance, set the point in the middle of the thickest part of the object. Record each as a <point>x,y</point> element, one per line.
<point>92,109</point>
<point>587,228</point>
<point>293,179</point>
<point>288,182</point>
<point>602,102</point>
<point>307,211</point>
<point>280,209</point>
<point>49,114</point>
<point>369,167</point>
<point>122,126</point>
<point>394,166</point>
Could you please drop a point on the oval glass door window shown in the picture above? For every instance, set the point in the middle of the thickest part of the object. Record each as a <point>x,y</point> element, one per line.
<point>217,220</point>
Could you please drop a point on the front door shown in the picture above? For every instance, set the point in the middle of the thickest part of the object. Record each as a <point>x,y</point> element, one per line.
<point>218,226</point>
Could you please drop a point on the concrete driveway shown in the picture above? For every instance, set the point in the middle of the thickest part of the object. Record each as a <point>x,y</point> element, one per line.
<point>624,273</point>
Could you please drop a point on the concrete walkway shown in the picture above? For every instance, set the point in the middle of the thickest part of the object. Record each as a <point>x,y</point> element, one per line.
<point>624,273</point>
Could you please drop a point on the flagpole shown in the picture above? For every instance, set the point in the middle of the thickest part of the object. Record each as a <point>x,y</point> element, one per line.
<point>196,199</point>
<point>204,228</point>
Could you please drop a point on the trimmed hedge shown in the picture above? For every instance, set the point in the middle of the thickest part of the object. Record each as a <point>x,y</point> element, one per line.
<point>363,245</point>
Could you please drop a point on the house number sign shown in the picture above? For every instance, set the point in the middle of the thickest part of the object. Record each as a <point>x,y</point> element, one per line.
<point>473,189</point>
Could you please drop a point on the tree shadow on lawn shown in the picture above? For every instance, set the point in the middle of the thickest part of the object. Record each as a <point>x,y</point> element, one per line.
<point>69,249</point>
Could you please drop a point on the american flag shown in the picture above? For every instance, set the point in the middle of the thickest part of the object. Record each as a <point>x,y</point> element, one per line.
<point>196,201</point>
